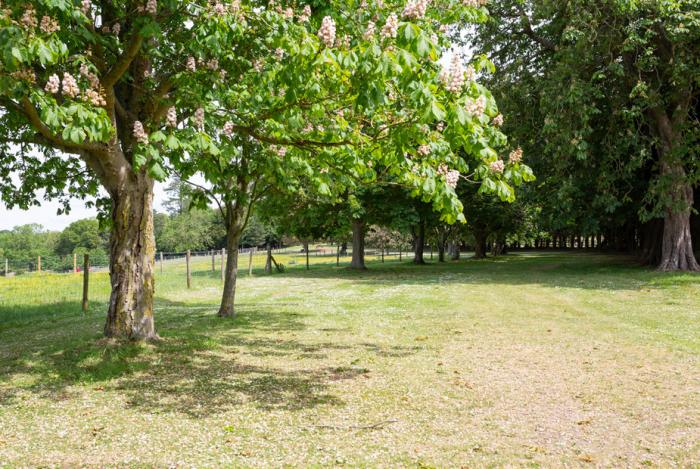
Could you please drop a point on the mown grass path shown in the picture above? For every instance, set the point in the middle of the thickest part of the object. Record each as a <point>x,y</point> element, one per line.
<point>533,359</point>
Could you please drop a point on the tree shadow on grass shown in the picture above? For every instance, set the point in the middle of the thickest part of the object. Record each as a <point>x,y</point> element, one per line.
<point>204,365</point>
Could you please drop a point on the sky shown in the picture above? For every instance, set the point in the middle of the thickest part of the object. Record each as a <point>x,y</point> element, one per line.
<point>45,214</point>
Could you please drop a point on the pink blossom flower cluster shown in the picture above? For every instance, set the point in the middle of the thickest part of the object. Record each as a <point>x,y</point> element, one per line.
<point>424,150</point>
<point>191,64</point>
<point>213,64</point>
<point>171,117</point>
<point>53,84</point>
<point>305,14</point>
<point>415,9</point>
<point>94,97</point>
<point>279,53</point>
<point>453,77</point>
<point>199,118</point>
<point>86,7</point>
<point>440,127</point>
<point>151,7</point>
<point>278,150</point>
<point>476,107</point>
<point>370,31</point>
<point>24,75</point>
<point>49,25</point>
<point>451,176</point>
<point>228,129</point>
<point>498,120</point>
<point>327,31</point>
<point>29,18</point>
<point>114,29</point>
<point>218,9</point>
<point>391,27</point>
<point>70,86</point>
<point>91,77</point>
<point>516,156</point>
<point>497,166</point>
<point>139,134</point>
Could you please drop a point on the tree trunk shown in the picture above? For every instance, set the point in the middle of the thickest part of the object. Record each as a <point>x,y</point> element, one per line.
<point>344,249</point>
<point>358,245</point>
<point>419,244</point>
<point>677,245</point>
<point>268,260</point>
<point>455,248</point>
<point>479,246</point>
<point>236,216</point>
<point>441,252</point>
<point>229,294</point>
<point>132,260</point>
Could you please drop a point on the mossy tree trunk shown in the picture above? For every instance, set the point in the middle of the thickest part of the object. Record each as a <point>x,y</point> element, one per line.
<point>132,260</point>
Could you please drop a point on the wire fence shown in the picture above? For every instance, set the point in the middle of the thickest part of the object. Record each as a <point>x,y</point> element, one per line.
<point>250,259</point>
<point>67,282</point>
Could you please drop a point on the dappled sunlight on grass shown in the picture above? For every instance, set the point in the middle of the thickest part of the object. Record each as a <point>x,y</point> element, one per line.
<point>536,358</point>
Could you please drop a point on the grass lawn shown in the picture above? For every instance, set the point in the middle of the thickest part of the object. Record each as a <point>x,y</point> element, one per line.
<point>543,359</point>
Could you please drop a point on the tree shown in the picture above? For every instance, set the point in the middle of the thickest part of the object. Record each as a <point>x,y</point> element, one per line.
<point>195,230</point>
<point>82,236</point>
<point>23,244</point>
<point>605,92</point>
<point>118,94</point>
<point>331,99</point>
<point>178,198</point>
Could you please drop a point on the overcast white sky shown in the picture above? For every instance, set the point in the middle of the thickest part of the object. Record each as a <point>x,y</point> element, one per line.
<point>45,214</point>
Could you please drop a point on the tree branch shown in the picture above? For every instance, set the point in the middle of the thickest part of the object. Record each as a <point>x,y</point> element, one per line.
<point>122,64</point>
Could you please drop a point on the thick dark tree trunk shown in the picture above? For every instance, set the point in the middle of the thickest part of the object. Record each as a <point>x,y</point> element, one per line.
<point>479,246</point>
<point>419,244</point>
<point>228,296</point>
<point>677,244</point>
<point>358,245</point>
<point>132,260</point>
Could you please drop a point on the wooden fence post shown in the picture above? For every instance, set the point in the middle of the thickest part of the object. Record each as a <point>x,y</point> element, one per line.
<point>337,256</point>
<point>223,264</point>
<point>86,280</point>
<point>75,262</point>
<point>307,258</point>
<point>213,260</point>
<point>250,261</point>
<point>189,274</point>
